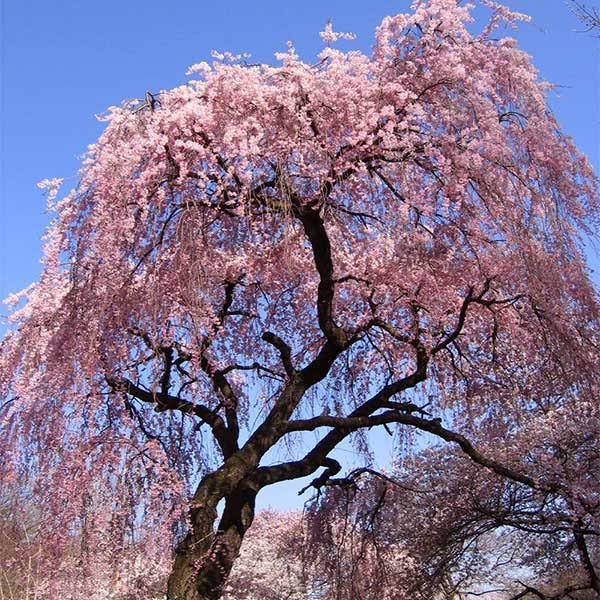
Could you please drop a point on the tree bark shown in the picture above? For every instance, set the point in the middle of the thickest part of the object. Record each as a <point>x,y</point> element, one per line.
<point>236,520</point>
<point>192,552</point>
<point>206,556</point>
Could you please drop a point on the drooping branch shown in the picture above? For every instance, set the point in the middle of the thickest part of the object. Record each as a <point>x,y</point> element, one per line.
<point>352,478</point>
<point>164,402</point>
<point>529,590</point>
<point>363,417</point>
<point>391,330</point>
<point>312,460</point>
<point>332,468</point>
<point>388,184</point>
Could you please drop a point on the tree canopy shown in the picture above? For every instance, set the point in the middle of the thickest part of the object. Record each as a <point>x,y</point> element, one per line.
<point>382,240</point>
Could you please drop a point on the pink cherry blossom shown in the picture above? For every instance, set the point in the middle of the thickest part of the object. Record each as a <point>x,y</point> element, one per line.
<point>279,258</point>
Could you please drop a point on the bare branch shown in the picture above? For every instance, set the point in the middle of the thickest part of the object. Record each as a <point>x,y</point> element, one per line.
<point>589,16</point>
<point>332,467</point>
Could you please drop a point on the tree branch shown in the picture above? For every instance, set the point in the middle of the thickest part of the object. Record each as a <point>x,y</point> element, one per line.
<point>312,461</point>
<point>314,228</point>
<point>285,352</point>
<point>165,402</point>
<point>361,418</point>
<point>587,560</point>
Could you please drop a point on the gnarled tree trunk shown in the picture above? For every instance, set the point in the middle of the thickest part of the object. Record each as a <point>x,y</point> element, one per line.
<point>205,558</point>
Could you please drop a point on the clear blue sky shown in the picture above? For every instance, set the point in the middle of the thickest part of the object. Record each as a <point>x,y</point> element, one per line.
<point>63,61</point>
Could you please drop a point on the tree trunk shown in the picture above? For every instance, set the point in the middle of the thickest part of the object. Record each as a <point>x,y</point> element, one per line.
<point>205,558</point>
<point>237,518</point>
<point>191,553</point>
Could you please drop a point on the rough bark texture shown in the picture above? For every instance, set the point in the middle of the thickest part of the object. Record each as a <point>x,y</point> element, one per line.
<point>205,558</point>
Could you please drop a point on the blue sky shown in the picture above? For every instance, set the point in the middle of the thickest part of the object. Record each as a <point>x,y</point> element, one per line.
<point>65,61</point>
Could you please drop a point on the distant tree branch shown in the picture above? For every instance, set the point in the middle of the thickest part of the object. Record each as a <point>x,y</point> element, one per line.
<point>589,16</point>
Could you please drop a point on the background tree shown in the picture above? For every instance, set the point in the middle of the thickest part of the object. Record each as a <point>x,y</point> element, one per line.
<point>297,556</point>
<point>267,252</point>
<point>19,548</point>
<point>271,564</point>
<point>588,15</point>
<point>470,533</point>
